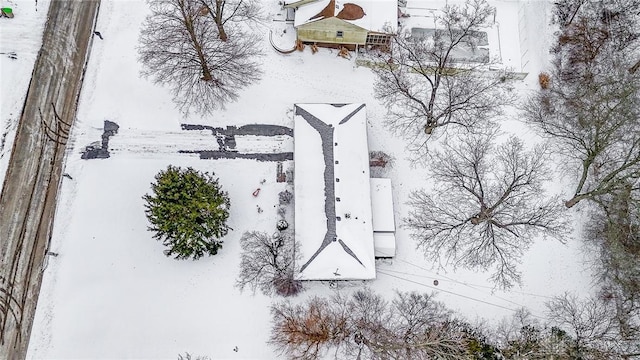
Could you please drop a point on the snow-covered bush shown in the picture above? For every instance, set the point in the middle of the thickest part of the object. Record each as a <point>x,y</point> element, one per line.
<point>188,212</point>
<point>380,159</point>
<point>282,211</point>
<point>285,197</point>
<point>289,174</point>
<point>379,163</point>
<point>282,224</point>
<point>188,356</point>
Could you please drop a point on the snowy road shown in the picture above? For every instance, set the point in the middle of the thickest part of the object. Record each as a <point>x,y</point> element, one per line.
<point>28,199</point>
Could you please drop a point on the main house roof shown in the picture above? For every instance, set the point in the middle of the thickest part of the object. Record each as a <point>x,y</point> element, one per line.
<point>333,219</point>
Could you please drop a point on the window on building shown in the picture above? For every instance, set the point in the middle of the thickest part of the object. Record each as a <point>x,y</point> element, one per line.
<point>339,33</point>
<point>378,39</point>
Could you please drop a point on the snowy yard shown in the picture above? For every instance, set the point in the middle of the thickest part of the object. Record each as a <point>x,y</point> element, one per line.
<point>111,293</point>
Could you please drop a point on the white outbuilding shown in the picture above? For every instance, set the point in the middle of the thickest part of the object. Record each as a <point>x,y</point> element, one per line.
<point>384,225</point>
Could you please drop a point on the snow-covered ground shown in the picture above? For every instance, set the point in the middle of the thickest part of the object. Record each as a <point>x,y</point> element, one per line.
<point>20,40</point>
<point>111,293</point>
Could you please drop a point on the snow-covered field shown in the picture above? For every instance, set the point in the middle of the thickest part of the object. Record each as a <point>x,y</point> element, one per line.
<point>111,293</point>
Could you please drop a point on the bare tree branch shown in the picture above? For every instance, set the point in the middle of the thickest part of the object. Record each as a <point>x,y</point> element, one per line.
<point>237,11</point>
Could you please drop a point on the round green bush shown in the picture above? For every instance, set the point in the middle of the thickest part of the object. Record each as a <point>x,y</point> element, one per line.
<point>188,212</point>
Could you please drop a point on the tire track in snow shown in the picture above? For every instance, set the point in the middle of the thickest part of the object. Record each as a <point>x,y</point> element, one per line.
<point>151,143</point>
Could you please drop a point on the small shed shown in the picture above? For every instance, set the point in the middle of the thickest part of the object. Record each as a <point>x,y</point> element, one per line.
<point>383,221</point>
<point>349,24</point>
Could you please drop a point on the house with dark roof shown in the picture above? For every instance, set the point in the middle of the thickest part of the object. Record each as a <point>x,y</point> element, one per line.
<point>334,23</point>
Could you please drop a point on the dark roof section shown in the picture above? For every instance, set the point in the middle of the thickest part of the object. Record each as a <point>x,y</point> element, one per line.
<point>327,12</point>
<point>351,12</point>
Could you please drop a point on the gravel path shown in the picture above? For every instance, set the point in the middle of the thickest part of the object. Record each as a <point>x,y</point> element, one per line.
<point>28,199</point>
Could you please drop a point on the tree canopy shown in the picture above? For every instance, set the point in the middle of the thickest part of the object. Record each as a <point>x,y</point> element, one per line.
<point>187,47</point>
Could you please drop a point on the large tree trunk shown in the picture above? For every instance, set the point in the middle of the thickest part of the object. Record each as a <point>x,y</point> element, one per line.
<point>206,73</point>
<point>218,17</point>
<point>188,15</point>
<point>222,34</point>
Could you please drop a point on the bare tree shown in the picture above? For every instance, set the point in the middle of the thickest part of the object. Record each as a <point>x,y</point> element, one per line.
<point>365,326</point>
<point>180,47</point>
<point>412,326</point>
<point>520,337</point>
<point>591,111</point>
<point>613,232</point>
<point>427,82</point>
<point>591,116</point>
<point>591,323</point>
<point>487,206</point>
<point>596,129</point>
<point>268,263</point>
<point>566,10</point>
<point>369,320</point>
<point>310,330</point>
<point>234,11</point>
<point>422,328</point>
<point>575,329</point>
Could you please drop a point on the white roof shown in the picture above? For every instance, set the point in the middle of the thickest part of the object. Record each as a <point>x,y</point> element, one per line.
<point>385,244</point>
<point>425,13</point>
<point>337,168</point>
<point>382,205</point>
<point>433,4</point>
<point>380,15</point>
